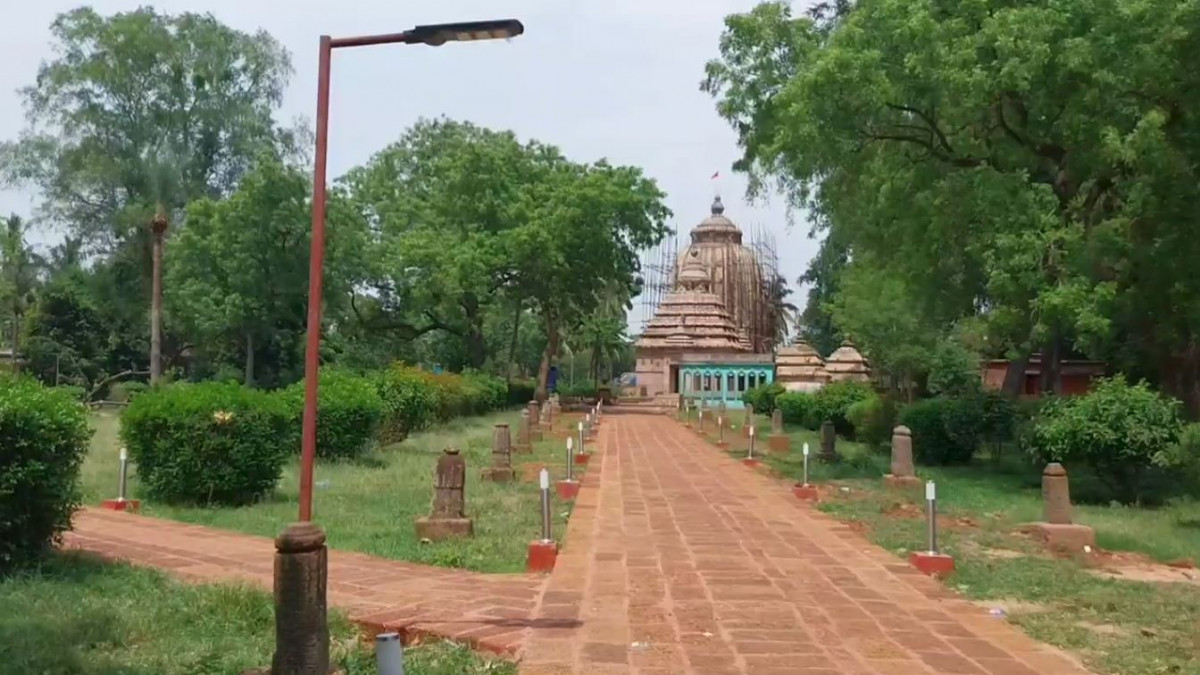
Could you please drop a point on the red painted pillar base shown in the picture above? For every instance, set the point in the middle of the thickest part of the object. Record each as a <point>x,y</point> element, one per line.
<point>806,493</point>
<point>129,505</point>
<point>567,489</point>
<point>753,463</point>
<point>933,564</point>
<point>722,445</point>
<point>542,556</point>
<point>582,458</point>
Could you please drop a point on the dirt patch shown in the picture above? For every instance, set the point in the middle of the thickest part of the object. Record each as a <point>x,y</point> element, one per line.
<point>1138,567</point>
<point>975,547</point>
<point>1013,606</point>
<point>1106,629</point>
<point>913,511</point>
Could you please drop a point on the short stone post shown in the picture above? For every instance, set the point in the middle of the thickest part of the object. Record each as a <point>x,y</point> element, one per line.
<point>778,442</point>
<point>523,446</point>
<point>448,516</point>
<point>902,473</point>
<point>501,470</point>
<point>301,619</point>
<point>828,442</point>
<point>1058,531</point>
<point>535,427</point>
<point>547,422</point>
<point>747,420</point>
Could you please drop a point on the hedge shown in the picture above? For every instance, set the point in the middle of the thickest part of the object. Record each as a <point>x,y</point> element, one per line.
<point>43,440</point>
<point>763,398</point>
<point>833,401</point>
<point>414,399</point>
<point>208,443</point>
<point>349,411</point>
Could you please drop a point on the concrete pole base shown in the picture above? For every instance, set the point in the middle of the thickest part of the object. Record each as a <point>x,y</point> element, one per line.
<point>498,474</point>
<point>437,529</point>
<point>126,505</point>
<point>807,493</point>
<point>581,459</point>
<point>567,489</point>
<point>1064,538</point>
<point>894,481</point>
<point>722,445</point>
<point>753,463</point>
<point>542,556</point>
<point>301,613</point>
<point>933,564</point>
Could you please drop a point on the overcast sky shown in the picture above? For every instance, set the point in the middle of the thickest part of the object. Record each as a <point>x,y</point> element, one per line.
<point>616,79</point>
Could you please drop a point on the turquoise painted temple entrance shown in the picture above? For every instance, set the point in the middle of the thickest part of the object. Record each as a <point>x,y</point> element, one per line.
<point>716,383</point>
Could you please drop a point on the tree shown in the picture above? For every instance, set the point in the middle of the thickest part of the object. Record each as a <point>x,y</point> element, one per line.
<point>239,268</point>
<point>19,268</point>
<point>1030,165</point>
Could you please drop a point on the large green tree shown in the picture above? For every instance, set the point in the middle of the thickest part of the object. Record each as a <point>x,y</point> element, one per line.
<point>19,276</point>
<point>1032,165</point>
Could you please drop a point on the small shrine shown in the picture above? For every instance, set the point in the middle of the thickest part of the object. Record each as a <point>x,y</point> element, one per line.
<point>847,364</point>
<point>798,367</point>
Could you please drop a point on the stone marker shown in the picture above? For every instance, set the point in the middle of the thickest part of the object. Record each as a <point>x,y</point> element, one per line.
<point>523,445</point>
<point>828,442</point>
<point>778,442</point>
<point>535,427</point>
<point>747,420</point>
<point>903,472</point>
<point>301,617</point>
<point>501,470</point>
<point>546,422</point>
<point>448,516</point>
<point>1058,531</point>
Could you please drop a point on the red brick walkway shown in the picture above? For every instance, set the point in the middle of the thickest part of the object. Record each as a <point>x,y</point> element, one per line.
<point>681,560</point>
<point>677,560</point>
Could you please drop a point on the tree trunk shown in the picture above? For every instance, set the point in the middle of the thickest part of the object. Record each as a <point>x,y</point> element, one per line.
<point>552,339</point>
<point>512,347</point>
<point>249,359</point>
<point>476,343</point>
<point>1051,379</point>
<point>16,343</point>
<point>1014,376</point>
<point>159,228</point>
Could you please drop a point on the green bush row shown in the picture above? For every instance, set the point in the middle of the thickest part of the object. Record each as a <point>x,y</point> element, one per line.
<point>832,402</point>
<point>43,440</point>
<point>221,443</point>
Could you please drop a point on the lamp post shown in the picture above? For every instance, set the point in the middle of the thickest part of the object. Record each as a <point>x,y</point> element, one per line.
<point>433,35</point>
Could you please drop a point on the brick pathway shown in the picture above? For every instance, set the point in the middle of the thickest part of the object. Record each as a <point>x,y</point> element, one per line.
<point>677,560</point>
<point>681,560</point>
<point>488,611</point>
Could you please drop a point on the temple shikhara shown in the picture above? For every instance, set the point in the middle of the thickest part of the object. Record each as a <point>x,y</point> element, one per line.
<point>715,326</point>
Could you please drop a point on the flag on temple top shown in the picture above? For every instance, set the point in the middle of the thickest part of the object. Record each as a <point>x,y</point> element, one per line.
<point>717,174</point>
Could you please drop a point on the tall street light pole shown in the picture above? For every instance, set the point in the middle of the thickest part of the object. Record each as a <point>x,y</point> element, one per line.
<point>433,35</point>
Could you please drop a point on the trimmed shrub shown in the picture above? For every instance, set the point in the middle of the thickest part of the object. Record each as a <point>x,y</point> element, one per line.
<point>833,401</point>
<point>942,430</point>
<point>483,392</point>
<point>349,411</point>
<point>43,440</point>
<point>75,392</point>
<point>208,443</point>
<point>1117,430</point>
<point>409,403</point>
<point>873,420</point>
<point>763,398</point>
<point>521,392</point>
<point>796,406</point>
<point>584,389</point>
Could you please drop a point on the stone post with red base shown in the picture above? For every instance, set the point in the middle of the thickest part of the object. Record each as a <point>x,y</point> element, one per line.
<point>751,460</point>
<point>931,561</point>
<point>121,503</point>
<point>543,553</point>
<point>903,474</point>
<point>568,488</point>
<point>1058,530</point>
<point>747,420</point>
<point>778,442</point>
<point>501,470</point>
<point>803,490</point>
<point>448,516</point>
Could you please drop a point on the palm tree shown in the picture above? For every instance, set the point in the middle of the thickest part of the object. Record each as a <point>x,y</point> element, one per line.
<point>19,269</point>
<point>163,168</point>
<point>781,312</point>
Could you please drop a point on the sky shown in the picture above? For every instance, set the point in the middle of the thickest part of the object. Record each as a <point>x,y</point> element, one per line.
<point>617,79</point>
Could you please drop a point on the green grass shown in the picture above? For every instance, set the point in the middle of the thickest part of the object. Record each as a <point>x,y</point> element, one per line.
<point>369,505</point>
<point>1120,627</point>
<point>77,615</point>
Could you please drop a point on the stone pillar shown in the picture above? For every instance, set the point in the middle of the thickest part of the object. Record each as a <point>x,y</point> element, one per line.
<point>747,420</point>
<point>301,619</point>
<point>448,516</point>
<point>523,435</point>
<point>535,428</point>
<point>777,421</point>
<point>903,472</point>
<point>1056,495</point>
<point>546,424</point>
<point>778,442</point>
<point>1058,531</point>
<point>501,470</point>
<point>828,442</point>
<point>722,414</point>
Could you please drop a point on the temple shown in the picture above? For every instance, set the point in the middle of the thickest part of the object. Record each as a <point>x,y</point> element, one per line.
<point>713,336</point>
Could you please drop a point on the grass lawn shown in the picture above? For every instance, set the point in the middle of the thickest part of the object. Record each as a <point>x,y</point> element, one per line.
<point>1117,626</point>
<point>77,615</point>
<point>369,505</point>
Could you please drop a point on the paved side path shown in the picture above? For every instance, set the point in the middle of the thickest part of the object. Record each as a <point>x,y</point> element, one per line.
<point>680,560</point>
<point>490,612</point>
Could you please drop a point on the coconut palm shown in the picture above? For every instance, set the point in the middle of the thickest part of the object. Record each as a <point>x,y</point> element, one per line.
<point>20,268</point>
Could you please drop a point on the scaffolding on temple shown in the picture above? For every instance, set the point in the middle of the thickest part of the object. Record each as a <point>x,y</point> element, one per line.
<point>658,277</point>
<point>768,304</point>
